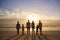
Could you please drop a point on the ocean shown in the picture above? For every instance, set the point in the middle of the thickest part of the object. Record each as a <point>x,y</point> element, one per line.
<point>10,24</point>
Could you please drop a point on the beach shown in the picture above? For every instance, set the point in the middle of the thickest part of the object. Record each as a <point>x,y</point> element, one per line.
<point>46,35</point>
<point>36,19</point>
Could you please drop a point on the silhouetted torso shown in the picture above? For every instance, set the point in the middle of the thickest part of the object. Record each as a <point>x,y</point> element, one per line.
<point>18,27</point>
<point>33,25</point>
<point>40,27</point>
<point>22,29</point>
<point>28,25</point>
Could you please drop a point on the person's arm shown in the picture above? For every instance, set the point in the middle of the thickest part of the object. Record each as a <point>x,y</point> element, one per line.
<point>30,25</point>
<point>34,25</point>
<point>19,25</point>
<point>26,25</point>
<point>16,26</point>
<point>41,24</point>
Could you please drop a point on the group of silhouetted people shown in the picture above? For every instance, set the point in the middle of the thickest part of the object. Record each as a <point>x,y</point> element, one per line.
<point>28,26</point>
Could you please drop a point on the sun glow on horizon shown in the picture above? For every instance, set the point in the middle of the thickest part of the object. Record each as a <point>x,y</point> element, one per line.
<point>33,17</point>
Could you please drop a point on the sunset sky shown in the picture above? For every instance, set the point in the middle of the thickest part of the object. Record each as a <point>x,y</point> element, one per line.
<point>39,9</point>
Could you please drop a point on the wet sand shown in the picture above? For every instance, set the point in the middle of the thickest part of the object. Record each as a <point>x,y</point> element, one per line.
<point>12,35</point>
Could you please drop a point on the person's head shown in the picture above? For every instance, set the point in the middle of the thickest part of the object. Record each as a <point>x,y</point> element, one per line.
<point>37,25</point>
<point>22,24</point>
<point>39,21</point>
<point>17,22</point>
<point>32,21</point>
<point>28,20</point>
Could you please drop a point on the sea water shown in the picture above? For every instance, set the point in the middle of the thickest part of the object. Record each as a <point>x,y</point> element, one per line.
<point>10,25</point>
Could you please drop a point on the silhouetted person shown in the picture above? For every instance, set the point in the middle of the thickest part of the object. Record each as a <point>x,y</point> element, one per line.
<point>40,27</point>
<point>28,27</point>
<point>22,29</point>
<point>33,27</point>
<point>37,29</point>
<point>17,27</point>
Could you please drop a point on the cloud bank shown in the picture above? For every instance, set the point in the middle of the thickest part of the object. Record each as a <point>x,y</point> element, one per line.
<point>13,13</point>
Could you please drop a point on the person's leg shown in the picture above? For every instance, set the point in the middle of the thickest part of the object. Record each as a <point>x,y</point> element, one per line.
<point>40,30</point>
<point>33,30</point>
<point>17,32</point>
<point>36,31</point>
<point>27,31</point>
<point>22,32</point>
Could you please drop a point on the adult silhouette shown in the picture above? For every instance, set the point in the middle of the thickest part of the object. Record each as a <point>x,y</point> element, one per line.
<point>37,29</point>
<point>33,27</point>
<point>40,27</point>
<point>22,29</point>
<point>28,27</point>
<point>17,27</point>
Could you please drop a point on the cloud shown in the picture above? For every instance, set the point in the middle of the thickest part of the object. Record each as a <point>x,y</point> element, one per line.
<point>17,13</point>
<point>14,13</point>
<point>2,15</point>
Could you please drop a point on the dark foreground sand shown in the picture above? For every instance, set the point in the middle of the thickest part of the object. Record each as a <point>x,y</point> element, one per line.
<point>47,35</point>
